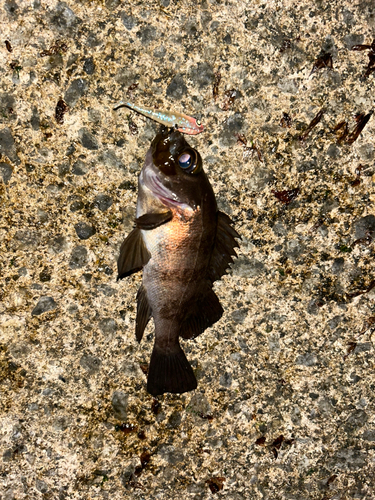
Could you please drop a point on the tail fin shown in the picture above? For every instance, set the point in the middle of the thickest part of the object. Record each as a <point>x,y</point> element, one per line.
<point>170,371</point>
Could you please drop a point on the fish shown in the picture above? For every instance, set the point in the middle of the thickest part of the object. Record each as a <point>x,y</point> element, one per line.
<point>184,124</point>
<point>183,244</point>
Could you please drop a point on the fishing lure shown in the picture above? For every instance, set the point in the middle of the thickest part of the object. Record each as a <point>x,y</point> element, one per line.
<point>185,124</point>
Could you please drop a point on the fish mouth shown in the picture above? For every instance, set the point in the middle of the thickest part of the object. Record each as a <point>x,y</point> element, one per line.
<point>151,180</point>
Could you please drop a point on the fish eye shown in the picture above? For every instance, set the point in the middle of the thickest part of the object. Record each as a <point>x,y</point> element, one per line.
<point>198,122</point>
<point>188,161</point>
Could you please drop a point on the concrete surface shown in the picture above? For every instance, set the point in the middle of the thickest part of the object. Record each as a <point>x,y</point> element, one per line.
<point>285,403</point>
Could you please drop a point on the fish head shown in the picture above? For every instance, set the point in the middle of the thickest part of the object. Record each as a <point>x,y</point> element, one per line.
<point>173,173</point>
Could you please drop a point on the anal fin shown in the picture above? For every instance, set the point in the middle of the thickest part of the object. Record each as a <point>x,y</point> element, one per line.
<point>143,313</point>
<point>202,314</point>
<point>133,254</point>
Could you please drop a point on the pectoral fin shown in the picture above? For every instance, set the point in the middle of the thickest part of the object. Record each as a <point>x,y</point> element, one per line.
<point>202,314</point>
<point>133,254</point>
<point>143,313</point>
<point>223,251</point>
<point>153,220</point>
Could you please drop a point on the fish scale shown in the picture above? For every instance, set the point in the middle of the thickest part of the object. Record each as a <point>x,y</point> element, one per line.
<point>169,265</point>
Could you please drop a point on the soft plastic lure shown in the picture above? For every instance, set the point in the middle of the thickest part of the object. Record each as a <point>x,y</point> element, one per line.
<point>185,124</point>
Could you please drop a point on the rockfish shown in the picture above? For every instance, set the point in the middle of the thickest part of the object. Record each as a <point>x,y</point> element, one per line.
<point>183,243</point>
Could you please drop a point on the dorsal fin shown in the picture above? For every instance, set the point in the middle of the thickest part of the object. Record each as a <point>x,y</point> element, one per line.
<point>133,254</point>
<point>223,250</point>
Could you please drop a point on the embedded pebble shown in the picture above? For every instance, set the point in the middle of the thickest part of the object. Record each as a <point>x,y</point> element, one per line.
<point>78,257</point>
<point>120,404</point>
<point>44,304</point>
<point>84,231</point>
<point>88,140</point>
<point>177,88</point>
<point>75,91</point>
<point>7,145</point>
<point>91,364</point>
<point>89,66</point>
<point>364,227</point>
<point>6,171</point>
<point>103,202</point>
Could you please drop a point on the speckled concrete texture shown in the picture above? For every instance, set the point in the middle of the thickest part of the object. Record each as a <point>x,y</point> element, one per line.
<point>285,402</point>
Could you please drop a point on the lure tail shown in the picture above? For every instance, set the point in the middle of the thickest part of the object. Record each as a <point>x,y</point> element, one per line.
<point>140,109</point>
<point>170,371</point>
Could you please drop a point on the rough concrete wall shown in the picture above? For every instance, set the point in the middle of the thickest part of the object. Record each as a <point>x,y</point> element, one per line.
<point>284,408</point>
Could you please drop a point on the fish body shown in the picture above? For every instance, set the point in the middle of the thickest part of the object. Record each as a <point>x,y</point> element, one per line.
<point>185,124</point>
<point>183,244</point>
